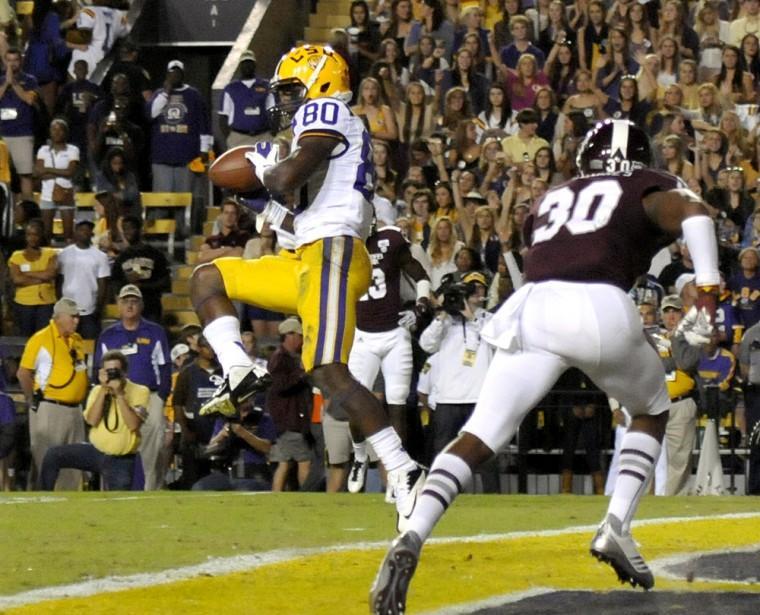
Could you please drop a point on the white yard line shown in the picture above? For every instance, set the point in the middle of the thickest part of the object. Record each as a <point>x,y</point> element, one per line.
<point>218,566</point>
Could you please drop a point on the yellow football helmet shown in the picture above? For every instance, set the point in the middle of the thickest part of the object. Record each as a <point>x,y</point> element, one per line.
<point>304,73</point>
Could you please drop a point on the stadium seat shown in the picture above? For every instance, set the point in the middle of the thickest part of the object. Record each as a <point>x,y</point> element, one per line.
<point>173,303</point>
<point>180,287</point>
<point>212,213</point>
<point>191,257</point>
<point>162,227</point>
<point>183,272</point>
<point>111,310</point>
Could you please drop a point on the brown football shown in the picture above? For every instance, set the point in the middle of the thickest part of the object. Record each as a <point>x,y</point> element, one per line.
<point>232,171</point>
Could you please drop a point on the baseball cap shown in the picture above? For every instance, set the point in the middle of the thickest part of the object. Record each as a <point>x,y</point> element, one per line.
<point>175,64</point>
<point>178,350</point>
<point>65,305</point>
<point>247,55</point>
<point>474,195</point>
<point>130,290</point>
<point>476,277</point>
<point>672,302</point>
<point>290,325</point>
<point>745,251</point>
<point>682,280</point>
<point>81,221</point>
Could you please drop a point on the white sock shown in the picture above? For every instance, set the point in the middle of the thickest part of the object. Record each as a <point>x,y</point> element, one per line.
<point>638,455</point>
<point>389,450</point>
<point>223,334</point>
<point>360,451</point>
<point>448,476</point>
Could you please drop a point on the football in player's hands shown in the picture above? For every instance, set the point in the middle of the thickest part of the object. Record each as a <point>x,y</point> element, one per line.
<point>234,171</point>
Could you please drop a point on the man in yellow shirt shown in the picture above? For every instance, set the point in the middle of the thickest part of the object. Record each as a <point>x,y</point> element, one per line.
<point>115,410</point>
<point>53,377</point>
<point>523,146</point>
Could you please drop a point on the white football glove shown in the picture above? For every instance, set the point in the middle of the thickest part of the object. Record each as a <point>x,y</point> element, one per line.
<point>263,157</point>
<point>696,327</point>
<point>407,319</point>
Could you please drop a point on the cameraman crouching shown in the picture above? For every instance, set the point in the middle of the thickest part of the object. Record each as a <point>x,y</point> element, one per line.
<point>115,410</point>
<point>463,356</point>
<point>238,453</point>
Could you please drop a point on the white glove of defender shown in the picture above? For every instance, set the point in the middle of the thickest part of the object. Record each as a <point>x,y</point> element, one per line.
<point>696,327</point>
<point>407,319</point>
<point>264,156</point>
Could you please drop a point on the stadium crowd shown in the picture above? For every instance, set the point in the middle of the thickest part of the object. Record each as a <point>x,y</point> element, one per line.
<point>475,110</point>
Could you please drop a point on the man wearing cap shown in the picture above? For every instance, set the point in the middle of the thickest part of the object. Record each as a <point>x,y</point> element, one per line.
<point>289,404</point>
<point>523,146</point>
<point>52,374</point>
<point>463,359</point>
<point>145,345</point>
<point>243,116</point>
<point>180,131</point>
<point>83,274</point>
<point>680,360</point>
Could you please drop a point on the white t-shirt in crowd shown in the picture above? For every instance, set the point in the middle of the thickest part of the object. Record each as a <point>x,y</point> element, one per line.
<point>81,270</point>
<point>56,159</point>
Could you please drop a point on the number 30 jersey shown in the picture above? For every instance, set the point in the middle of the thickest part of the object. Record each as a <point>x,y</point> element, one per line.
<point>340,190</point>
<point>377,310</point>
<point>595,229</point>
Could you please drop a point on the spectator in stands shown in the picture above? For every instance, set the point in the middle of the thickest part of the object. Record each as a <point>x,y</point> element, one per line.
<point>142,265</point>
<point>116,178</point>
<point>115,410</point>
<point>377,116</point>
<point>426,62</point>
<point>53,376</point>
<point>18,98</point>
<point>522,32</point>
<point>243,115</point>
<point>464,359</point>
<point>745,286</point>
<point>98,27</point>
<point>242,448</point>
<point>230,241</point>
<point>75,100</point>
<point>523,146</point>
<point>364,37</point>
<point>749,365</point>
<point>126,64</point>
<point>443,247</point>
<point>46,55</point>
<point>289,402</point>
<point>195,384</point>
<point>33,271</point>
<point>56,166</point>
<point>180,131</point>
<point>116,131</point>
<point>84,272</point>
<point>145,344</point>
<point>683,264</point>
<point>749,23</point>
<point>432,22</point>
<point>23,212</point>
<point>107,234</point>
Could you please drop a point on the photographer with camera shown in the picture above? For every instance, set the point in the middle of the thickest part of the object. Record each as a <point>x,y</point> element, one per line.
<point>463,355</point>
<point>238,452</point>
<point>115,411</point>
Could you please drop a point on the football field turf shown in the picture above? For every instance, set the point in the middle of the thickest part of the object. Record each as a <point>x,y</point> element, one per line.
<point>171,552</point>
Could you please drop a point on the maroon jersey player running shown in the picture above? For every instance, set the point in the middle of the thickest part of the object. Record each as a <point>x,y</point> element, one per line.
<point>589,239</point>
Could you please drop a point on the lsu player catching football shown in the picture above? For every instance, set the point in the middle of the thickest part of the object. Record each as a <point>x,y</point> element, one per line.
<point>327,271</point>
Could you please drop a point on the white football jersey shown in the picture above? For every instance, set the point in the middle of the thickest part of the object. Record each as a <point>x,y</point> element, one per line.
<point>107,25</point>
<point>340,192</point>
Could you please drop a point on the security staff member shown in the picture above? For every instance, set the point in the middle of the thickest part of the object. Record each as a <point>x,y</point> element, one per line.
<point>749,365</point>
<point>680,361</point>
<point>115,410</point>
<point>243,116</point>
<point>53,376</point>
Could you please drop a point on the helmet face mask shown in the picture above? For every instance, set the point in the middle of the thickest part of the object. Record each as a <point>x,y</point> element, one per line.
<point>614,147</point>
<point>304,73</point>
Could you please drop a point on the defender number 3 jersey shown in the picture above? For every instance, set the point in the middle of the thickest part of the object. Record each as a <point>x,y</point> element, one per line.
<point>378,309</point>
<point>340,191</point>
<point>594,229</point>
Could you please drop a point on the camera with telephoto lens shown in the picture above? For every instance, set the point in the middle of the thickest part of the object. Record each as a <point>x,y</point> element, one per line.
<point>222,453</point>
<point>113,373</point>
<point>454,295</point>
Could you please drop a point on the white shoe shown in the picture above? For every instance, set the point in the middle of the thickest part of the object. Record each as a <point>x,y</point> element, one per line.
<point>406,484</point>
<point>357,475</point>
<point>388,593</point>
<point>612,546</point>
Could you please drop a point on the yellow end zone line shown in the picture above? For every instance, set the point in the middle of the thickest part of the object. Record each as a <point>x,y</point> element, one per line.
<point>453,570</point>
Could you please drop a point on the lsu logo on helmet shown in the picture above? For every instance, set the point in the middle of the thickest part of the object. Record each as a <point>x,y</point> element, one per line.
<point>304,73</point>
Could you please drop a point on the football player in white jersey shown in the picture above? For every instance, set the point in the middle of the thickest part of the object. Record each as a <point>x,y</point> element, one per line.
<point>100,26</point>
<point>323,277</point>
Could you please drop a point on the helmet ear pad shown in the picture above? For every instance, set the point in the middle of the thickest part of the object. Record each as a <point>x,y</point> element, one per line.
<point>614,146</point>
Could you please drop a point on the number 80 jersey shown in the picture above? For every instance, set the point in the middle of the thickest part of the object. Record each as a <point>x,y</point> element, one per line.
<point>594,229</point>
<point>340,190</point>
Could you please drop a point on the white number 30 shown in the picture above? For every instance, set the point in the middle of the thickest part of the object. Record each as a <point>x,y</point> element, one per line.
<point>564,209</point>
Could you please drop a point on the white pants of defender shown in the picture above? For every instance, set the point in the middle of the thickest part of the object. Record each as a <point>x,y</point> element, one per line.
<point>389,352</point>
<point>547,327</point>
<point>153,452</point>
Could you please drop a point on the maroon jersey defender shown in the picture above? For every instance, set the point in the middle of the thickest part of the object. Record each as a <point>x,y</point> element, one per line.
<point>595,229</point>
<point>378,310</point>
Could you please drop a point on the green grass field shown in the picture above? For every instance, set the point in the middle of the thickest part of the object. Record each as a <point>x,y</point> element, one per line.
<point>72,538</point>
